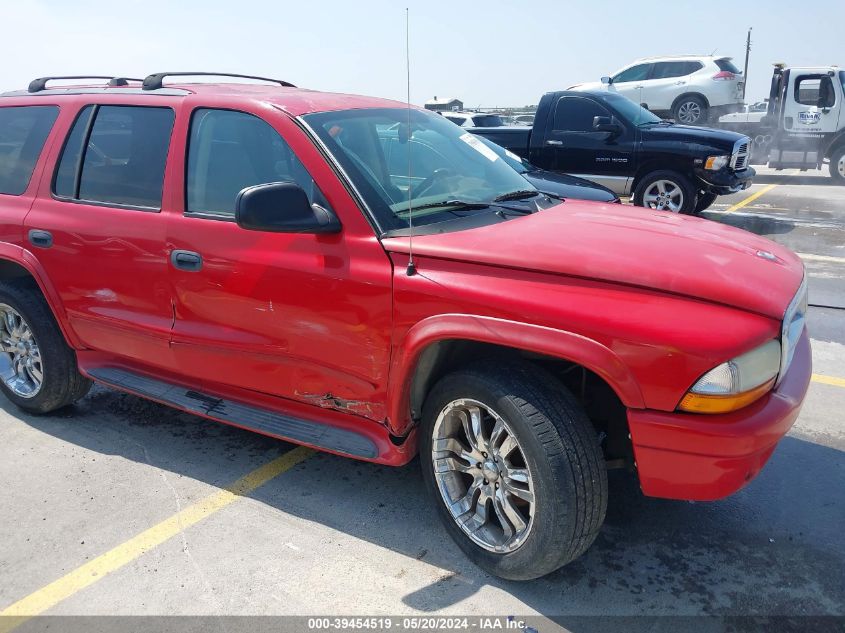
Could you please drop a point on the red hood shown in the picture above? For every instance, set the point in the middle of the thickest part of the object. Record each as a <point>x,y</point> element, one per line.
<point>653,249</point>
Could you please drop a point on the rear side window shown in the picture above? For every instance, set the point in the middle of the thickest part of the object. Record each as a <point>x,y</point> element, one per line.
<point>116,155</point>
<point>727,66</point>
<point>229,151</point>
<point>667,70</point>
<point>23,132</point>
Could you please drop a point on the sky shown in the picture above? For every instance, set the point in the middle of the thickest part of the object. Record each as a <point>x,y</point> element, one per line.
<point>488,53</point>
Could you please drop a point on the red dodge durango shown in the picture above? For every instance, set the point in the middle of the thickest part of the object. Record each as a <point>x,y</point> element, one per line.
<point>279,259</point>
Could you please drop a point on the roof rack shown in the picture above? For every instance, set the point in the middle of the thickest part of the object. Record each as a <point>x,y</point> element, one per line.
<point>154,81</point>
<point>37,85</point>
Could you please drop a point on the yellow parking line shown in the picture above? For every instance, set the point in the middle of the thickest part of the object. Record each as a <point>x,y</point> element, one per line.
<point>750,198</point>
<point>114,559</point>
<point>829,380</point>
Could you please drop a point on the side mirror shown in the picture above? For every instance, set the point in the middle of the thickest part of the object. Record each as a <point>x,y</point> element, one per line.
<point>606,124</point>
<point>282,207</point>
<point>607,80</point>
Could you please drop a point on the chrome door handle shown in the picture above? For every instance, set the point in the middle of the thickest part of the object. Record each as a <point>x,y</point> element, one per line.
<point>554,142</point>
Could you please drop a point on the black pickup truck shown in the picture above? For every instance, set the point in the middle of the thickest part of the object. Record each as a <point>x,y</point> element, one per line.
<point>609,139</point>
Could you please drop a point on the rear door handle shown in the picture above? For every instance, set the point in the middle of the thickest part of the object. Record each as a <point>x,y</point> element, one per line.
<point>41,239</point>
<point>554,142</point>
<point>186,260</point>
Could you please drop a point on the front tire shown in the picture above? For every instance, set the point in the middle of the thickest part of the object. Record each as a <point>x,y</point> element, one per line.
<point>514,467</point>
<point>690,110</point>
<point>666,191</point>
<point>704,201</point>
<point>837,165</point>
<point>38,370</point>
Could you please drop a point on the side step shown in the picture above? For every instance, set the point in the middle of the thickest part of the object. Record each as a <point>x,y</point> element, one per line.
<point>242,415</point>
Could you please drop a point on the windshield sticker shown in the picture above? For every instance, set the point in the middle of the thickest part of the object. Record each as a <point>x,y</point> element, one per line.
<point>479,147</point>
<point>510,154</point>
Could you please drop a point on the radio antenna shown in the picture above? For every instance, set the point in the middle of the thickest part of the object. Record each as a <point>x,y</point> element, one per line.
<point>412,269</point>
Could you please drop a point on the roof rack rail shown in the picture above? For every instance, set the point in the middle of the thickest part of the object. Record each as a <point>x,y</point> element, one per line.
<point>154,81</point>
<point>37,85</point>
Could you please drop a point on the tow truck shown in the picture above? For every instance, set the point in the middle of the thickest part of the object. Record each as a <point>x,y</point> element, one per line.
<point>803,126</point>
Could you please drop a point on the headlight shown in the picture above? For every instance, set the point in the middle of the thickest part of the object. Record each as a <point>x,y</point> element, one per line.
<point>736,383</point>
<point>793,326</point>
<point>715,163</point>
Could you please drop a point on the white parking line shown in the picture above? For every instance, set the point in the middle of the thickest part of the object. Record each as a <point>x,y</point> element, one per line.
<point>821,258</point>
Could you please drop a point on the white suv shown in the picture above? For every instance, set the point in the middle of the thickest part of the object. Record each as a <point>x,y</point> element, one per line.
<point>691,89</point>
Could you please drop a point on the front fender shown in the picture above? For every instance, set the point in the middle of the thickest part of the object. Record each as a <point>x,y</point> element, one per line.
<point>533,338</point>
<point>26,260</point>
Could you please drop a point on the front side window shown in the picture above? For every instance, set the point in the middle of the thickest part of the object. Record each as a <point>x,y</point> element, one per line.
<point>116,155</point>
<point>815,90</point>
<point>456,165</point>
<point>229,151</point>
<point>634,73</point>
<point>575,114</point>
<point>23,132</point>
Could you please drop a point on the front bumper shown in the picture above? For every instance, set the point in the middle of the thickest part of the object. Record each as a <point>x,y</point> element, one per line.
<point>705,457</point>
<point>725,181</point>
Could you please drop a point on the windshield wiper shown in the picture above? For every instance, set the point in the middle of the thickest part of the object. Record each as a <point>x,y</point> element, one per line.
<point>516,195</point>
<point>460,204</point>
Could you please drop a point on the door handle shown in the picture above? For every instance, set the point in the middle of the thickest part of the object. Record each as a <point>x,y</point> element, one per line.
<point>186,260</point>
<point>553,142</point>
<point>41,239</point>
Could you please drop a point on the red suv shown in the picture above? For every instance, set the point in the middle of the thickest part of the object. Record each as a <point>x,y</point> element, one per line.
<point>254,254</point>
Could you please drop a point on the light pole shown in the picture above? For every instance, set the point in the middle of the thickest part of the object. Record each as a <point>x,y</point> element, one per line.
<point>745,72</point>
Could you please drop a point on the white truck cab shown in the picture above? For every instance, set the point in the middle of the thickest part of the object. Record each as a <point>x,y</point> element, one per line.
<point>804,125</point>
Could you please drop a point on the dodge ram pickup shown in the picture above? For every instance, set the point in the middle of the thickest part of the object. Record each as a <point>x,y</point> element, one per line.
<point>609,139</point>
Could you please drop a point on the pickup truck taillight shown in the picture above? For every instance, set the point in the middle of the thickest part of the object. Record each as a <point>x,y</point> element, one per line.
<point>724,75</point>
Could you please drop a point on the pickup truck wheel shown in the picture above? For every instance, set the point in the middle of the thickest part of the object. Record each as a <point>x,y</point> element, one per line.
<point>837,165</point>
<point>690,110</point>
<point>514,467</point>
<point>704,201</point>
<point>38,371</point>
<point>666,191</point>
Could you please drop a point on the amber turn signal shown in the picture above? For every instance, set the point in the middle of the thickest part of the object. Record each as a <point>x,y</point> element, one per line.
<point>707,403</point>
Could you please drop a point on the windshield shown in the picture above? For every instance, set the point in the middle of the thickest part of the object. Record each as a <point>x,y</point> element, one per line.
<point>447,164</point>
<point>631,111</point>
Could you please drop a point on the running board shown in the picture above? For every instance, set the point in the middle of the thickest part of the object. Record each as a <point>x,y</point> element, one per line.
<point>245,416</point>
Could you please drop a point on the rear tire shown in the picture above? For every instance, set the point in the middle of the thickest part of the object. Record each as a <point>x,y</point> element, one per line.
<point>666,191</point>
<point>704,201</point>
<point>39,369</point>
<point>691,110</point>
<point>544,464</point>
<point>837,165</point>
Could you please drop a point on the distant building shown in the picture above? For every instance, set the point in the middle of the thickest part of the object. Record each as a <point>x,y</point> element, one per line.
<point>444,104</point>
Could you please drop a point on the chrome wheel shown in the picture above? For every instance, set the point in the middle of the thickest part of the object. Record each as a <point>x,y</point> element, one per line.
<point>664,195</point>
<point>482,475</point>
<point>689,112</point>
<point>20,360</point>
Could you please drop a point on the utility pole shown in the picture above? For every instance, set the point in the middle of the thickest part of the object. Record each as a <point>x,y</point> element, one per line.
<point>745,72</point>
